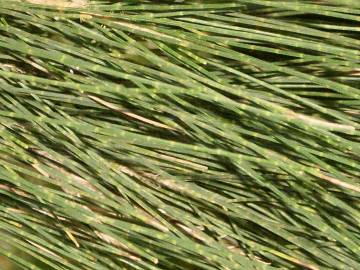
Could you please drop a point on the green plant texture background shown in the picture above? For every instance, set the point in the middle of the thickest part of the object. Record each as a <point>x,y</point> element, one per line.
<point>210,135</point>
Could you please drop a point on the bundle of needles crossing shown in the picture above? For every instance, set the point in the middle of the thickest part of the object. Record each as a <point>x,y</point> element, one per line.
<point>180,134</point>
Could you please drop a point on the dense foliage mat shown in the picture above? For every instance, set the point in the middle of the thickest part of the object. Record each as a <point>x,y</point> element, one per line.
<point>180,134</point>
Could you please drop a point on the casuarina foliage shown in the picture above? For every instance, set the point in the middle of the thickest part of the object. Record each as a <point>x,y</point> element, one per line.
<point>180,134</point>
